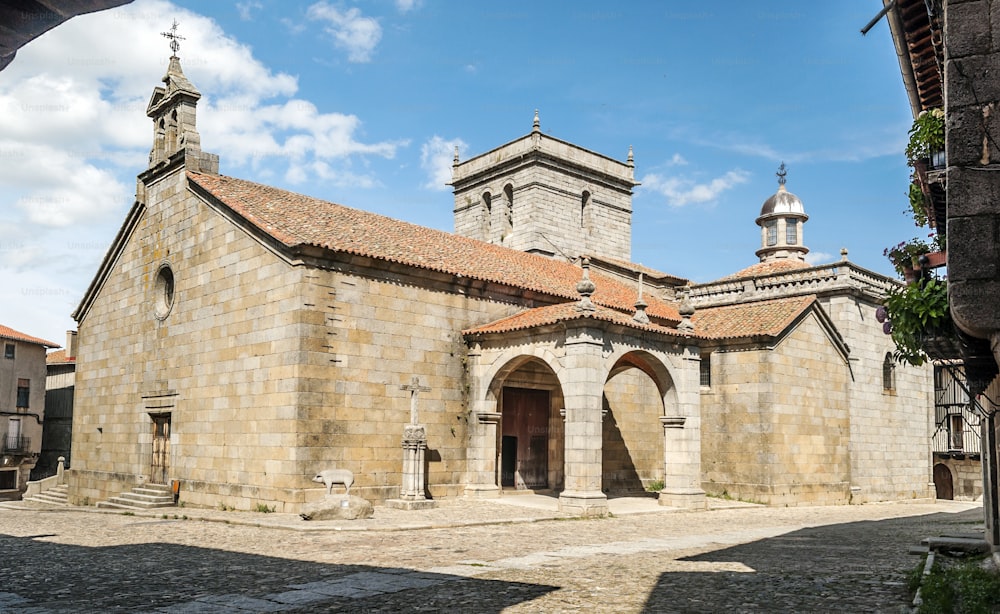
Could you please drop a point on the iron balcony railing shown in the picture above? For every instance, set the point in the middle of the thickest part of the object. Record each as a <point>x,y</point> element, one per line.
<point>12,443</point>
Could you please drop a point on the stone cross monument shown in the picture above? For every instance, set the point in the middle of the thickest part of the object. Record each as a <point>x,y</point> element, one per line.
<point>411,494</point>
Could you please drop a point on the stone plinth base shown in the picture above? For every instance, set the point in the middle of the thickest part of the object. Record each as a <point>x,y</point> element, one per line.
<point>406,504</point>
<point>583,503</point>
<point>338,507</point>
<point>482,491</point>
<point>684,498</point>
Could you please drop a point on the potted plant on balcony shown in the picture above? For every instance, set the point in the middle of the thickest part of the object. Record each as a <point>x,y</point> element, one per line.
<point>905,257</point>
<point>917,317</point>
<point>926,139</point>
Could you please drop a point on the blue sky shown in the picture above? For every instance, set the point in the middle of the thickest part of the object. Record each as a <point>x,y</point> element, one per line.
<point>362,103</point>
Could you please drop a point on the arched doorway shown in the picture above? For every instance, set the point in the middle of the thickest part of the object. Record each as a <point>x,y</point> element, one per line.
<point>530,437</point>
<point>943,483</point>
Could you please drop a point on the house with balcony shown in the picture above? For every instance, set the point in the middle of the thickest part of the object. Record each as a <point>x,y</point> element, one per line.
<point>22,407</point>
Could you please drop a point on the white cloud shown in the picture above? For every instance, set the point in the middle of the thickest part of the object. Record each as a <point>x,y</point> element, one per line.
<point>405,6</point>
<point>677,160</point>
<point>436,157</point>
<point>815,258</point>
<point>351,31</point>
<point>246,9</point>
<point>74,133</point>
<point>680,191</point>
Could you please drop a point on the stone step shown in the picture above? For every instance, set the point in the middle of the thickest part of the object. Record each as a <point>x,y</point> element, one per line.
<point>57,495</point>
<point>145,497</point>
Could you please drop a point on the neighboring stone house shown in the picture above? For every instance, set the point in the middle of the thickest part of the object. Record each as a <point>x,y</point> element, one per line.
<point>949,56</point>
<point>238,338</point>
<point>58,428</point>
<point>22,408</point>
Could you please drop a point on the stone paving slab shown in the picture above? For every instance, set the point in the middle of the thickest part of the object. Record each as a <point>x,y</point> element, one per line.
<point>747,559</point>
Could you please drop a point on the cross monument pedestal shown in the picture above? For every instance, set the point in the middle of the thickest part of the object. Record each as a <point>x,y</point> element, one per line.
<point>411,492</point>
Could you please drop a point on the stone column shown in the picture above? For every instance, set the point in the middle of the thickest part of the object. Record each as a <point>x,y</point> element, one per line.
<point>682,441</point>
<point>583,389</point>
<point>481,455</point>
<point>482,459</point>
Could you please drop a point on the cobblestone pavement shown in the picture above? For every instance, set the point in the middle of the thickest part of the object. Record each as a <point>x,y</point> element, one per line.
<point>750,559</point>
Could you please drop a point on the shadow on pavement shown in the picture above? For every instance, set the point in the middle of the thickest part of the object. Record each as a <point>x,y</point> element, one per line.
<point>40,576</point>
<point>851,567</point>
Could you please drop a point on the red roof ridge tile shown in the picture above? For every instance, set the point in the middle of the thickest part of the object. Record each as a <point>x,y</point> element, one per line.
<point>7,332</point>
<point>294,219</point>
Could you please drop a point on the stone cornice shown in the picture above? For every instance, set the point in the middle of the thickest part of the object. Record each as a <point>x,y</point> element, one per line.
<point>837,278</point>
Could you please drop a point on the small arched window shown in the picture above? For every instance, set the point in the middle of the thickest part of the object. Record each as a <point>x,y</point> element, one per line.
<point>508,194</point>
<point>487,213</point>
<point>772,233</point>
<point>888,373</point>
<point>584,206</point>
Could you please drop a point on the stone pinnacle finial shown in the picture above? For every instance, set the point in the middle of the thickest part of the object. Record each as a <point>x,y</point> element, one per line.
<point>455,159</point>
<point>843,254</point>
<point>640,306</point>
<point>585,288</point>
<point>686,309</point>
<point>631,158</point>
<point>781,174</point>
<point>174,37</point>
<point>536,125</point>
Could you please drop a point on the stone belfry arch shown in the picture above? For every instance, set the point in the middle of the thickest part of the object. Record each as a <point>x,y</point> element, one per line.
<point>172,107</point>
<point>558,199</point>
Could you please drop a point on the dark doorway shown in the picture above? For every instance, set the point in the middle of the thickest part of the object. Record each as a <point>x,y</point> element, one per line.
<point>943,485</point>
<point>526,426</point>
<point>508,456</point>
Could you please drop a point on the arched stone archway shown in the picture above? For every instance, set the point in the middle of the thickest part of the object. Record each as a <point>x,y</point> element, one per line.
<point>635,393</point>
<point>518,440</point>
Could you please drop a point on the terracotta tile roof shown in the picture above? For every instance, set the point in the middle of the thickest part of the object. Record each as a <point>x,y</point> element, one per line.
<point>294,219</point>
<point>58,358</point>
<point>768,268</point>
<point>763,318</point>
<point>9,333</point>
<point>563,312</point>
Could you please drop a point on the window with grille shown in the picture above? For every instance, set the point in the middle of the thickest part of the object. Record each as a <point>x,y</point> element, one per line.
<point>705,371</point>
<point>8,351</point>
<point>772,233</point>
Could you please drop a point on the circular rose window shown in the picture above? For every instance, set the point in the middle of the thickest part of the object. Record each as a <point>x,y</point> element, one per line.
<point>163,290</point>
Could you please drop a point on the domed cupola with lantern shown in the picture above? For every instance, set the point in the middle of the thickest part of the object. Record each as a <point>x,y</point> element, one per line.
<point>781,219</point>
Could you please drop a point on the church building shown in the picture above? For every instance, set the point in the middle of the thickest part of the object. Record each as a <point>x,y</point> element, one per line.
<point>239,338</point>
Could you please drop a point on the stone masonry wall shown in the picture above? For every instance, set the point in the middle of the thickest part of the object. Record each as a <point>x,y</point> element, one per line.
<point>222,363</point>
<point>784,445</point>
<point>890,429</point>
<point>270,371</point>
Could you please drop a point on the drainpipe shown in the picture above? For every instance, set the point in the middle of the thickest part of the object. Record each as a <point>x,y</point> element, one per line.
<point>37,417</point>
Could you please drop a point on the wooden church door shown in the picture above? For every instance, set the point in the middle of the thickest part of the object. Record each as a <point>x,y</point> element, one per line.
<point>526,434</point>
<point>160,468</point>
